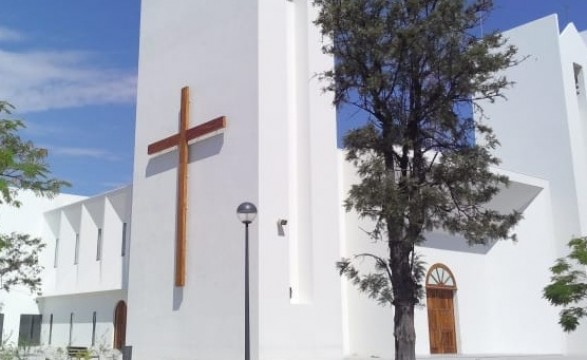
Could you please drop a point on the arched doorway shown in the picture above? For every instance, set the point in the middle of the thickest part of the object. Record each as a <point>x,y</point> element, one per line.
<point>440,289</point>
<point>120,325</point>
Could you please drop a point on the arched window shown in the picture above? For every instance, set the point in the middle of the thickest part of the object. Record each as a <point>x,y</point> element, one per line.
<point>440,276</point>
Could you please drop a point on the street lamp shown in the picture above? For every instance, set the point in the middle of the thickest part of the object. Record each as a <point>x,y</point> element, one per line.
<point>247,212</point>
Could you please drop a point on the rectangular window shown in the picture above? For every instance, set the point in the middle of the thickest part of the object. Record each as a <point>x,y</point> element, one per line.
<point>99,246</point>
<point>94,328</point>
<point>123,249</point>
<point>578,73</point>
<point>2,326</point>
<point>76,256</point>
<point>50,329</point>
<point>581,97</point>
<point>70,328</point>
<point>29,332</point>
<point>56,255</point>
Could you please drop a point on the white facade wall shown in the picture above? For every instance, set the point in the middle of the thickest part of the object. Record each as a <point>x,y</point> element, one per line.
<point>82,307</point>
<point>92,283</point>
<point>25,219</point>
<point>107,212</point>
<point>574,59</point>
<point>544,113</point>
<point>278,151</point>
<point>535,117</point>
<point>255,62</point>
<point>492,284</point>
<point>298,182</point>
<point>500,288</point>
<point>213,48</point>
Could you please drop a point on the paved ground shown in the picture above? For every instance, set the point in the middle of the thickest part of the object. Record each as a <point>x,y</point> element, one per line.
<point>489,357</point>
<point>504,357</point>
<point>508,357</point>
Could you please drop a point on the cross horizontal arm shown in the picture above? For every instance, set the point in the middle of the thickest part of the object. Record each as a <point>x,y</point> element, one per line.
<point>193,133</point>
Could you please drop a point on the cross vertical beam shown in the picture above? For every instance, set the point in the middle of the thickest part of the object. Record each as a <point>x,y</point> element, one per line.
<point>182,188</point>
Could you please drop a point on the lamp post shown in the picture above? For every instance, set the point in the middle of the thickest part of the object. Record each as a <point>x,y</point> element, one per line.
<point>246,213</point>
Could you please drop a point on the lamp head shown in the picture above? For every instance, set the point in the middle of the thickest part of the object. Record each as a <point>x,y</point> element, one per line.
<point>246,212</point>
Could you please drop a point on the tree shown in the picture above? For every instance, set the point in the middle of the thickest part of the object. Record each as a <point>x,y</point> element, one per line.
<point>568,285</point>
<point>19,261</point>
<point>415,66</point>
<point>22,167</point>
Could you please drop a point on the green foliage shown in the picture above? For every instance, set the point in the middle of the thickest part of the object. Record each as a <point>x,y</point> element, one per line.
<point>22,165</point>
<point>11,352</point>
<point>19,261</point>
<point>414,67</point>
<point>22,351</point>
<point>568,285</point>
<point>378,285</point>
<point>84,354</point>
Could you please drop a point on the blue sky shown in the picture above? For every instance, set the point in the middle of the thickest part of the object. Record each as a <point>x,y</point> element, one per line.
<point>69,66</point>
<point>506,15</point>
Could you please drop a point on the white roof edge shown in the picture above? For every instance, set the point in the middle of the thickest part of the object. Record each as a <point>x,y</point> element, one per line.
<point>554,15</point>
<point>90,198</point>
<point>569,27</point>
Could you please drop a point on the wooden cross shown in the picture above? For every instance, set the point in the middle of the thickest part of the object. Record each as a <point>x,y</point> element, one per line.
<point>181,140</point>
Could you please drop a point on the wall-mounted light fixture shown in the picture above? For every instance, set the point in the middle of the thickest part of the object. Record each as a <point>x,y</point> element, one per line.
<point>280,224</point>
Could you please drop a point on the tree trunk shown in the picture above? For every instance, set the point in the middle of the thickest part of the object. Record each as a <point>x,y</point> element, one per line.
<point>405,297</point>
<point>405,334</point>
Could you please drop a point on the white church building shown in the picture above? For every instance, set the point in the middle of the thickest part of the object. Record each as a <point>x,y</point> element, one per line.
<point>113,272</point>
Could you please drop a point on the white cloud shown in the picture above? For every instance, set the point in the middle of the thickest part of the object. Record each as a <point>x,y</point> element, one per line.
<point>42,80</point>
<point>82,152</point>
<point>7,35</point>
<point>40,129</point>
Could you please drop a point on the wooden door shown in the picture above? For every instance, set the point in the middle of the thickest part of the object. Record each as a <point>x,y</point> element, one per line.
<point>440,291</point>
<point>120,325</point>
<point>441,321</point>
